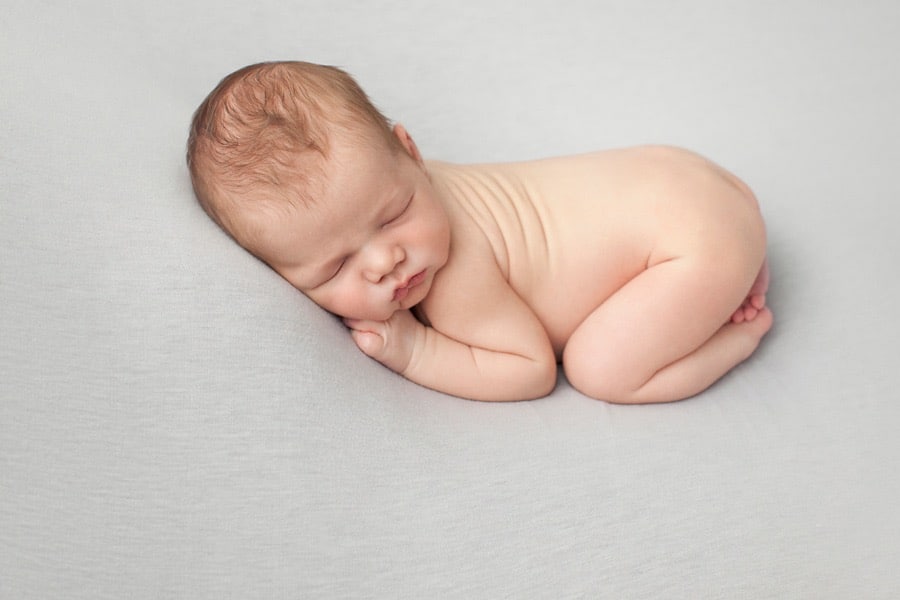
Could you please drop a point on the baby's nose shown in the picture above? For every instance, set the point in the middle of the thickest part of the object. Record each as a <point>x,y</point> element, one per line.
<point>383,261</point>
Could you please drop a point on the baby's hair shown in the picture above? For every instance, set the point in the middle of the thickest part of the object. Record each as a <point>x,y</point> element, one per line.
<point>259,141</point>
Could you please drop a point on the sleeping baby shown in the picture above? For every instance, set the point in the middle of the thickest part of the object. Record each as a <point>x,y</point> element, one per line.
<point>642,271</point>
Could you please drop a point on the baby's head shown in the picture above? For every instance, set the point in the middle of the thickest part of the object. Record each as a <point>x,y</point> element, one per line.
<point>260,141</point>
<point>294,162</point>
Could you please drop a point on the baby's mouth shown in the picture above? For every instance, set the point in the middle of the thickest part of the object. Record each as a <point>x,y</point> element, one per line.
<point>401,292</point>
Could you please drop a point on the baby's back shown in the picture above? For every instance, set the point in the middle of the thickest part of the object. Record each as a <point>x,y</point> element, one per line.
<point>569,232</point>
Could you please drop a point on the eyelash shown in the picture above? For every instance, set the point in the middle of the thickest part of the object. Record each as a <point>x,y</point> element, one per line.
<point>402,212</point>
<point>336,271</point>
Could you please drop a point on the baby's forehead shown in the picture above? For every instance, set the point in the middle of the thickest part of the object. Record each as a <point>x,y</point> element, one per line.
<point>357,158</point>
<point>351,170</point>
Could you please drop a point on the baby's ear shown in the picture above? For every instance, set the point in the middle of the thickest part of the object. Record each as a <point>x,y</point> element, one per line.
<point>407,142</point>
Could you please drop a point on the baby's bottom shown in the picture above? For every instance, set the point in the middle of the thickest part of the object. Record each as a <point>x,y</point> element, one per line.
<point>672,331</point>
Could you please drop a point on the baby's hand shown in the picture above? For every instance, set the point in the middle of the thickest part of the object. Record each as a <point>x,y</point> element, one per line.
<point>389,342</point>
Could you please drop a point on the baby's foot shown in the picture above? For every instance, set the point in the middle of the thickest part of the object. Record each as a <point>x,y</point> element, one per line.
<point>756,297</point>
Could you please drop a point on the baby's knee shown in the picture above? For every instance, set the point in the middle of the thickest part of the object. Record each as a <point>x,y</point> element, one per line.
<point>608,391</point>
<point>587,373</point>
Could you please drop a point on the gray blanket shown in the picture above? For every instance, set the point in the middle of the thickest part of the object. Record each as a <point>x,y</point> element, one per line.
<point>178,422</point>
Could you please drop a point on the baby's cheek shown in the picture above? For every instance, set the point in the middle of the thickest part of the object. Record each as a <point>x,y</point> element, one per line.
<point>352,305</point>
<point>327,301</point>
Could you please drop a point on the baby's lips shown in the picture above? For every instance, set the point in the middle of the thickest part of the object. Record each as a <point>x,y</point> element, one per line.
<point>402,291</point>
<point>416,279</point>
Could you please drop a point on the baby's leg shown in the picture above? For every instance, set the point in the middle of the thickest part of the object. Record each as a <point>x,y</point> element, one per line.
<point>666,335</point>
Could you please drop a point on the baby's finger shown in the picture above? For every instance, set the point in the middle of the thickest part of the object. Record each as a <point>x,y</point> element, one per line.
<point>370,343</point>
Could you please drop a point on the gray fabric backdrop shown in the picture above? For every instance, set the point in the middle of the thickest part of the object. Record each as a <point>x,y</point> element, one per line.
<point>177,422</point>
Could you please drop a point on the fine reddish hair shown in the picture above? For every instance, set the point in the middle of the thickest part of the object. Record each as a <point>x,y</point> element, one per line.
<point>259,141</point>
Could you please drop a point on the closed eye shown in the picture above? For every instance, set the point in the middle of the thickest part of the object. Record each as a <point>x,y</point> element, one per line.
<point>401,213</point>
<point>334,273</point>
<point>338,269</point>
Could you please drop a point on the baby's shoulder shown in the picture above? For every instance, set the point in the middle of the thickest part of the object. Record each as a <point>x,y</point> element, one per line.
<point>469,280</point>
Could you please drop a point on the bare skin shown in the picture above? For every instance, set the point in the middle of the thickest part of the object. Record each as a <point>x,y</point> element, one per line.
<point>641,270</point>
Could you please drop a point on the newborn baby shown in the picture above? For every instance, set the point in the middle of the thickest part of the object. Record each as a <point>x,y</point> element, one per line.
<point>642,270</point>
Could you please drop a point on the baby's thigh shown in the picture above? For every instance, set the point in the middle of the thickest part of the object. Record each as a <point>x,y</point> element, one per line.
<point>661,315</point>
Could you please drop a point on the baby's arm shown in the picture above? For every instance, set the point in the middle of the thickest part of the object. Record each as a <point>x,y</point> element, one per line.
<point>498,349</point>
